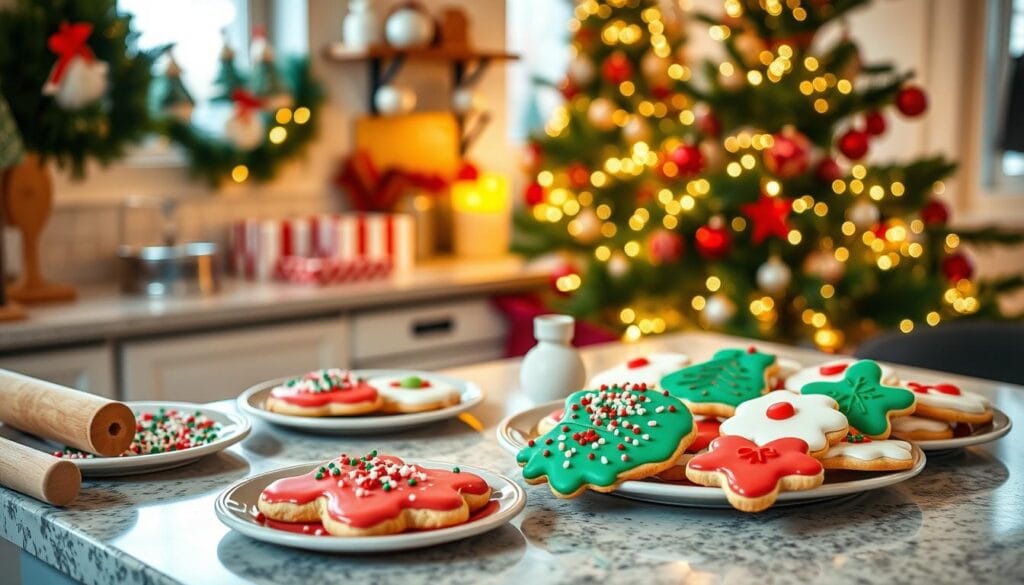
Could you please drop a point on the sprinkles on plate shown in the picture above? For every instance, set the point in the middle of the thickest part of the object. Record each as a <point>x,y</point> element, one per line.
<point>162,431</point>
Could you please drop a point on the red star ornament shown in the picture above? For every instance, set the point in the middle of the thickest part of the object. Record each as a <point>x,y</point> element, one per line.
<point>768,217</point>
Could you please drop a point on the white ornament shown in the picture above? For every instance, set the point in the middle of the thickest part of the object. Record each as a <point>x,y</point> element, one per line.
<point>618,265</point>
<point>359,29</point>
<point>823,264</point>
<point>390,99</point>
<point>600,114</point>
<point>774,276</point>
<point>409,28</point>
<point>718,309</point>
<point>245,130</point>
<point>581,70</point>
<point>636,130</point>
<point>863,214</point>
<point>82,83</point>
<point>465,100</point>
<point>588,226</point>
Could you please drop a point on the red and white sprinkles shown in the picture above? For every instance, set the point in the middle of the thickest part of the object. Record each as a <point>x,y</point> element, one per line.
<point>162,431</point>
<point>318,381</point>
<point>371,472</point>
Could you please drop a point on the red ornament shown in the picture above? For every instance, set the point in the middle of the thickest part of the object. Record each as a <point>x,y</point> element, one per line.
<point>579,176</point>
<point>874,123</point>
<point>911,101</point>
<point>935,213</point>
<point>661,92</point>
<point>828,170</point>
<point>665,246</point>
<point>559,272</point>
<point>957,267</point>
<point>617,68</point>
<point>710,125</point>
<point>768,217</point>
<point>688,160</point>
<point>534,194</point>
<point>713,240</point>
<point>854,144</point>
<point>788,155</point>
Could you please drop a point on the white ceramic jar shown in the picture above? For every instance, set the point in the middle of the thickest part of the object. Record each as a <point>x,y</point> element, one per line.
<point>553,369</point>
<point>359,29</point>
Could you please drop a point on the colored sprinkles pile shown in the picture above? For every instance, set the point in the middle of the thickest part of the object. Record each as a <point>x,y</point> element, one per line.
<point>371,472</point>
<point>162,432</point>
<point>320,381</point>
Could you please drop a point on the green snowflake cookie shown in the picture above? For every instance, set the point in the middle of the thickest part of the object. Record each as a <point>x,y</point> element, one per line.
<point>719,385</point>
<point>866,402</point>
<point>607,436</point>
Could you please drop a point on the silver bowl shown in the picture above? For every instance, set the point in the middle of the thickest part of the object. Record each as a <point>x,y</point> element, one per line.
<point>161,271</point>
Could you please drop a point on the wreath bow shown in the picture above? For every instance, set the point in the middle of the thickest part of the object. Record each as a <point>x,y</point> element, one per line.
<point>67,43</point>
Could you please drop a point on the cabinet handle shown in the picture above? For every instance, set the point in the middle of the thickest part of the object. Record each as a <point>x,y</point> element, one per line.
<point>433,326</point>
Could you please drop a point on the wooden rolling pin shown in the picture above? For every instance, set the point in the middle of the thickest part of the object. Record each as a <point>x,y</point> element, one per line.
<point>40,475</point>
<point>77,419</point>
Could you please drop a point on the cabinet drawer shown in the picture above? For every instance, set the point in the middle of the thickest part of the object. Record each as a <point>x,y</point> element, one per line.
<point>424,328</point>
<point>214,366</point>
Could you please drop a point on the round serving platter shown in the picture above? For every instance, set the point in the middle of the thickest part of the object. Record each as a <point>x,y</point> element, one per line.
<point>986,433</point>
<point>516,430</point>
<point>236,508</point>
<point>252,402</point>
<point>234,428</point>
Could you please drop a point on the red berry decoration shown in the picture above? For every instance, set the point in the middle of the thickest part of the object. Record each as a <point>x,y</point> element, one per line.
<point>874,123</point>
<point>617,68</point>
<point>579,176</point>
<point>935,213</point>
<point>713,240</point>
<point>957,267</point>
<point>911,101</point>
<point>788,155</point>
<point>828,170</point>
<point>688,159</point>
<point>534,194</point>
<point>854,144</point>
<point>665,246</point>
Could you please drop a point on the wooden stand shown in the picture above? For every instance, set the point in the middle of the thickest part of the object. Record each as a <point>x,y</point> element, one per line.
<point>28,198</point>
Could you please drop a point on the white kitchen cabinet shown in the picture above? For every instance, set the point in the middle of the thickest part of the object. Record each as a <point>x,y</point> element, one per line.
<point>88,368</point>
<point>203,367</point>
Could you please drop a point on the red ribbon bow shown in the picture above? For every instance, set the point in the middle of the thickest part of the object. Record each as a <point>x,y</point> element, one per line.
<point>245,102</point>
<point>759,455</point>
<point>67,43</point>
<point>370,189</point>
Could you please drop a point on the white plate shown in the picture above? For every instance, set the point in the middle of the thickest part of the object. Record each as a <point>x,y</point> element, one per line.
<point>236,508</point>
<point>999,426</point>
<point>251,402</point>
<point>516,430</point>
<point>234,428</point>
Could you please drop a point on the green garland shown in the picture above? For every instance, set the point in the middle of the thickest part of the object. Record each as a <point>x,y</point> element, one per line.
<point>101,130</point>
<point>214,159</point>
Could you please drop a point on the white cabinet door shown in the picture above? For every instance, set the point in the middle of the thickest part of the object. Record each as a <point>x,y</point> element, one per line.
<point>213,366</point>
<point>87,368</point>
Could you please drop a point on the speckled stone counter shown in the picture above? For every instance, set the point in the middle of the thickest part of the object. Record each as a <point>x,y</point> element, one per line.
<point>960,521</point>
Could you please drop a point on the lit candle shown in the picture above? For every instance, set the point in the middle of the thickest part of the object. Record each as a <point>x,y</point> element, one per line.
<point>481,216</point>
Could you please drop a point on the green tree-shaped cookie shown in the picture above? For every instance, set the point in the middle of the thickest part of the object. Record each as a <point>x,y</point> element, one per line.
<point>730,377</point>
<point>605,436</point>
<point>866,402</point>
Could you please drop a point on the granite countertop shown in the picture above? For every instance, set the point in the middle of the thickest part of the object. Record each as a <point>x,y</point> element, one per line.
<point>103,313</point>
<point>960,521</point>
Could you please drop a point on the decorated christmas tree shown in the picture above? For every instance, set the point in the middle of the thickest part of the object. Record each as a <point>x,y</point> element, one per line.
<point>736,194</point>
<point>228,79</point>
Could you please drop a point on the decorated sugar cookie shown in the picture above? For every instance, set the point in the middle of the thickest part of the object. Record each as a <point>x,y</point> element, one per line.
<point>331,392</point>
<point>549,421</point>
<point>867,403</point>
<point>943,401</point>
<point>716,387</point>
<point>813,418</point>
<point>375,495</point>
<point>752,476</point>
<point>858,452</point>
<point>707,431</point>
<point>918,428</point>
<point>608,436</point>
<point>648,369</point>
<point>831,371</point>
<point>786,368</point>
<point>415,393</point>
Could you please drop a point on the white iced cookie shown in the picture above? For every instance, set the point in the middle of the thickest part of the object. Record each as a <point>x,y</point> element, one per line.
<point>861,453</point>
<point>414,393</point>
<point>832,371</point>
<point>815,418</point>
<point>786,368</point>
<point>648,369</point>
<point>918,428</point>
<point>947,402</point>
